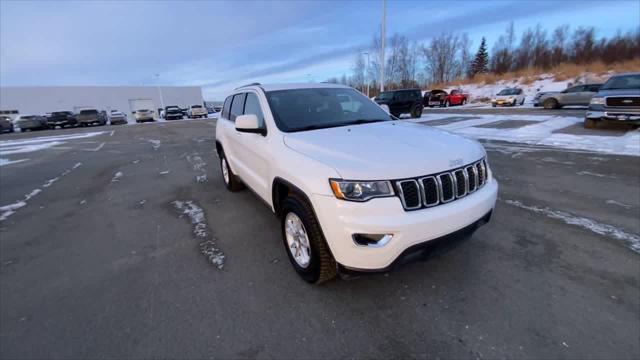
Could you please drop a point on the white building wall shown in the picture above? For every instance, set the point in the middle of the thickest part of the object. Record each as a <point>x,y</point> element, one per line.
<point>46,99</point>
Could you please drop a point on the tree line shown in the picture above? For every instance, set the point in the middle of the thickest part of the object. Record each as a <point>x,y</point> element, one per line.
<point>449,57</point>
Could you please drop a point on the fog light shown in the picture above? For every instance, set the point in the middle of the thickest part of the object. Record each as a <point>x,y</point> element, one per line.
<point>372,240</point>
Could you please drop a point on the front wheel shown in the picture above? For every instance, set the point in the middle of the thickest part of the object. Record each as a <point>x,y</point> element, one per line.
<point>231,181</point>
<point>590,123</point>
<point>303,240</point>
<point>447,104</point>
<point>464,102</point>
<point>550,104</point>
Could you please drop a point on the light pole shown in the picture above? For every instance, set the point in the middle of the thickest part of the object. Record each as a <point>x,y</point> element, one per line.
<point>159,92</point>
<point>382,36</point>
<point>366,73</point>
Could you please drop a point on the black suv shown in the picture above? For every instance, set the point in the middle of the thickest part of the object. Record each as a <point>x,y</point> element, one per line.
<point>402,102</point>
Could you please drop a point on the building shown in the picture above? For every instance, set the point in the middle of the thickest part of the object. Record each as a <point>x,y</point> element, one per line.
<point>46,99</point>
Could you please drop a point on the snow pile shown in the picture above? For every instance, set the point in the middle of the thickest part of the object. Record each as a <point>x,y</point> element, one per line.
<point>196,215</point>
<point>632,240</point>
<point>543,132</point>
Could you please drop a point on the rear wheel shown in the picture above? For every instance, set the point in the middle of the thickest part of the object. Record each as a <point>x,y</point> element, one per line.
<point>231,181</point>
<point>550,104</point>
<point>416,112</point>
<point>303,240</point>
<point>464,102</point>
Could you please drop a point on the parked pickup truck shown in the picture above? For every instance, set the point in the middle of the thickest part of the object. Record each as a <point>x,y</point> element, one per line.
<point>618,100</point>
<point>91,117</point>
<point>443,99</point>
<point>197,111</point>
<point>62,119</point>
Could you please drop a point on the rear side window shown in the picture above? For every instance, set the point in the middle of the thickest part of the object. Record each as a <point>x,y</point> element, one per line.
<point>237,106</point>
<point>252,106</point>
<point>226,107</point>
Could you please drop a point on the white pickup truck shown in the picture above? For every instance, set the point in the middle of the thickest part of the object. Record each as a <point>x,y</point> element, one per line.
<point>197,111</point>
<point>354,188</point>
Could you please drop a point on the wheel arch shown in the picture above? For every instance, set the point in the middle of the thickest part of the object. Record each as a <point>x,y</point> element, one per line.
<point>280,188</point>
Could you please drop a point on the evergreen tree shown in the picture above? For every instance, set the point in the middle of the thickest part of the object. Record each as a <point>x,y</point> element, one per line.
<point>480,63</point>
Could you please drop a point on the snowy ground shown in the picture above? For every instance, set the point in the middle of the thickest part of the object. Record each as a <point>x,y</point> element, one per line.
<point>550,131</point>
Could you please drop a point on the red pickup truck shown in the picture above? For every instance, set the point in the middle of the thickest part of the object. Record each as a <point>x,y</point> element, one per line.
<point>441,98</point>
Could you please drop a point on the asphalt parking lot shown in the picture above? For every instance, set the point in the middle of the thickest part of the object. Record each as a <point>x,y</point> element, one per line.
<point>106,261</point>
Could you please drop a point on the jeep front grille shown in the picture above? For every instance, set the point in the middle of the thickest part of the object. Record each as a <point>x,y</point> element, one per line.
<point>441,188</point>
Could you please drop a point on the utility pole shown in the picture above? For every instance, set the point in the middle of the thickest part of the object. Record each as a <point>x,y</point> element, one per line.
<point>382,36</point>
<point>366,73</point>
<point>160,92</point>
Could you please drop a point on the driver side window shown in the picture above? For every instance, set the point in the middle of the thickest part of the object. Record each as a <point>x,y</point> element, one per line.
<point>252,106</point>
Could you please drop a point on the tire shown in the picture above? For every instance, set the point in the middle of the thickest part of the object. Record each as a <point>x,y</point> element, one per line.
<point>493,105</point>
<point>416,112</point>
<point>522,102</point>
<point>321,265</point>
<point>515,102</point>
<point>464,102</point>
<point>550,104</point>
<point>447,104</point>
<point>231,181</point>
<point>590,123</point>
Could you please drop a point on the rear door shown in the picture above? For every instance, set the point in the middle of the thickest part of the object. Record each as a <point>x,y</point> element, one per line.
<point>572,95</point>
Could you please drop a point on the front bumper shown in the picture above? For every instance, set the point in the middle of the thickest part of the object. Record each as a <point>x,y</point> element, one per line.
<point>626,115</point>
<point>173,117</point>
<point>341,219</point>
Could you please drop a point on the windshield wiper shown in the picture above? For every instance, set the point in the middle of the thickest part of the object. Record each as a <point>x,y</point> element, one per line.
<point>363,121</point>
<point>325,126</point>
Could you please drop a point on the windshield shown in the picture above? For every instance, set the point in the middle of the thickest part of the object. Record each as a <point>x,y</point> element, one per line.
<point>387,95</point>
<point>85,112</point>
<point>508,92</point>
<point>59,113</point>
<point>306,109</point>
<point>622,82</point>
<point>196,106</point>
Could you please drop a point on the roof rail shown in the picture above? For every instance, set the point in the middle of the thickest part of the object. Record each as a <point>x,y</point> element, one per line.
<point>252,84</point>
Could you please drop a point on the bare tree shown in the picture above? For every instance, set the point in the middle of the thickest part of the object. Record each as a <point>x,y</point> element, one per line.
<point>558,44</point>
<point>440,58</point>
<point>359,68</point>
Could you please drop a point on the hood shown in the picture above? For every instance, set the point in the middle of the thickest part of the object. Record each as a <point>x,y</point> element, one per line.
<point>385,151</point>
<point>618,92</point>
<point>505,97</point>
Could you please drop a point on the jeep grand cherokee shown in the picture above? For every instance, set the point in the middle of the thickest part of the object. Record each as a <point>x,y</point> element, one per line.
<point>353,188</point>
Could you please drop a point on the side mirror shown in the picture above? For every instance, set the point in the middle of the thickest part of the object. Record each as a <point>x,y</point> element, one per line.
<point>385,107</point>
<point>249,123</point>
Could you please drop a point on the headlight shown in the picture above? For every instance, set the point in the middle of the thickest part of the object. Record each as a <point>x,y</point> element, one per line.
<point>360,190</point>
<point>596,101</point>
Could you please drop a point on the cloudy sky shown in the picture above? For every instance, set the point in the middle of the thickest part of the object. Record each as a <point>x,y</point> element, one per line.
<point>221,45</point>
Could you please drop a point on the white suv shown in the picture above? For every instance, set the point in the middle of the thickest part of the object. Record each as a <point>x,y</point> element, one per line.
<point>353,187</point>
